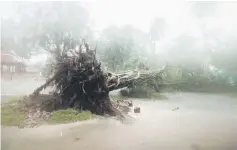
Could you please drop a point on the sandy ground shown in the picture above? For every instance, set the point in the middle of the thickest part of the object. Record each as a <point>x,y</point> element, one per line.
<point>183,122</point>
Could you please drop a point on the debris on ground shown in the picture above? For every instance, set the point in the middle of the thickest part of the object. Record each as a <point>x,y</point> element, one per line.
<point>137,110</point>
<point>176,108</point>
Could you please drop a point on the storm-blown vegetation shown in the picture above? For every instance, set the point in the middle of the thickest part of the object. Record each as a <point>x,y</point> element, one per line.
<point>118,56</point>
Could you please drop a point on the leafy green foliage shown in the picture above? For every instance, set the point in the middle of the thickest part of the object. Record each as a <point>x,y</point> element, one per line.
<point>121,48</point>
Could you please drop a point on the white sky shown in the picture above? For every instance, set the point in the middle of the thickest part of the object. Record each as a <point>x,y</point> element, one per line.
<point>177,14</point>
<point>141,13</point>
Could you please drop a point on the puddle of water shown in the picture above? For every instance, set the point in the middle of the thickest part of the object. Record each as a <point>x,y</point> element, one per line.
<point>202,122</point>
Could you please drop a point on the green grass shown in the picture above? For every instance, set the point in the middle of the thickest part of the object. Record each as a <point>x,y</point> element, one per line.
<point>12,100</point>
<point>158,96</point>
<point>69,115</point>
<point>11,113</point>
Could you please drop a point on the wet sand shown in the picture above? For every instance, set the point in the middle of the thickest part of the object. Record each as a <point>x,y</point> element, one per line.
<point>183,122</point>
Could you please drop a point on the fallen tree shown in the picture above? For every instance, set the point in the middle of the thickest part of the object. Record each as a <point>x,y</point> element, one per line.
<point>81,83</point>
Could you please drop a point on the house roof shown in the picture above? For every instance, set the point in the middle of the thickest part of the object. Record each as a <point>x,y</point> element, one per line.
<point>9,58</point>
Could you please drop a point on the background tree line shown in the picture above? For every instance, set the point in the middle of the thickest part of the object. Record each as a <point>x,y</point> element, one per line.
<point>119,48</point>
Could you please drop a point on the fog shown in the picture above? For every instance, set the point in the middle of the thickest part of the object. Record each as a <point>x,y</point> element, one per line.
<point>197,40</point>
<point>177,32</point>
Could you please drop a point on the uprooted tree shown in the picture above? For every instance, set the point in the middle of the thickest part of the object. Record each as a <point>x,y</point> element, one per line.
<point>79,80</point>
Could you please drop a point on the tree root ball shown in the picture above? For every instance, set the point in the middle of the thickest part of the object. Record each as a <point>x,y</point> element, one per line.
<point>80,83</point>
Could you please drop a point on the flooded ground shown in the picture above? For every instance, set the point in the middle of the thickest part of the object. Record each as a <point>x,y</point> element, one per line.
<point>183,122</point>
<point>19,85</point>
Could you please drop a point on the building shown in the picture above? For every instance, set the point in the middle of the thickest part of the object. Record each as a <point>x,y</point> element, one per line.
<point>12,63</point>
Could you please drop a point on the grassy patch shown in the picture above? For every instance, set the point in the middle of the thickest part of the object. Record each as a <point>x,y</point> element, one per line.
<point>158,96</point>
<point>69,115</point>
<point>146,93</point>
<point>12,100</point>
<point>11,112</point>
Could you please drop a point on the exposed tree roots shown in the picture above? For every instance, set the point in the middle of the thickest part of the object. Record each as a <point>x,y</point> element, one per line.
<point>80,83</point>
